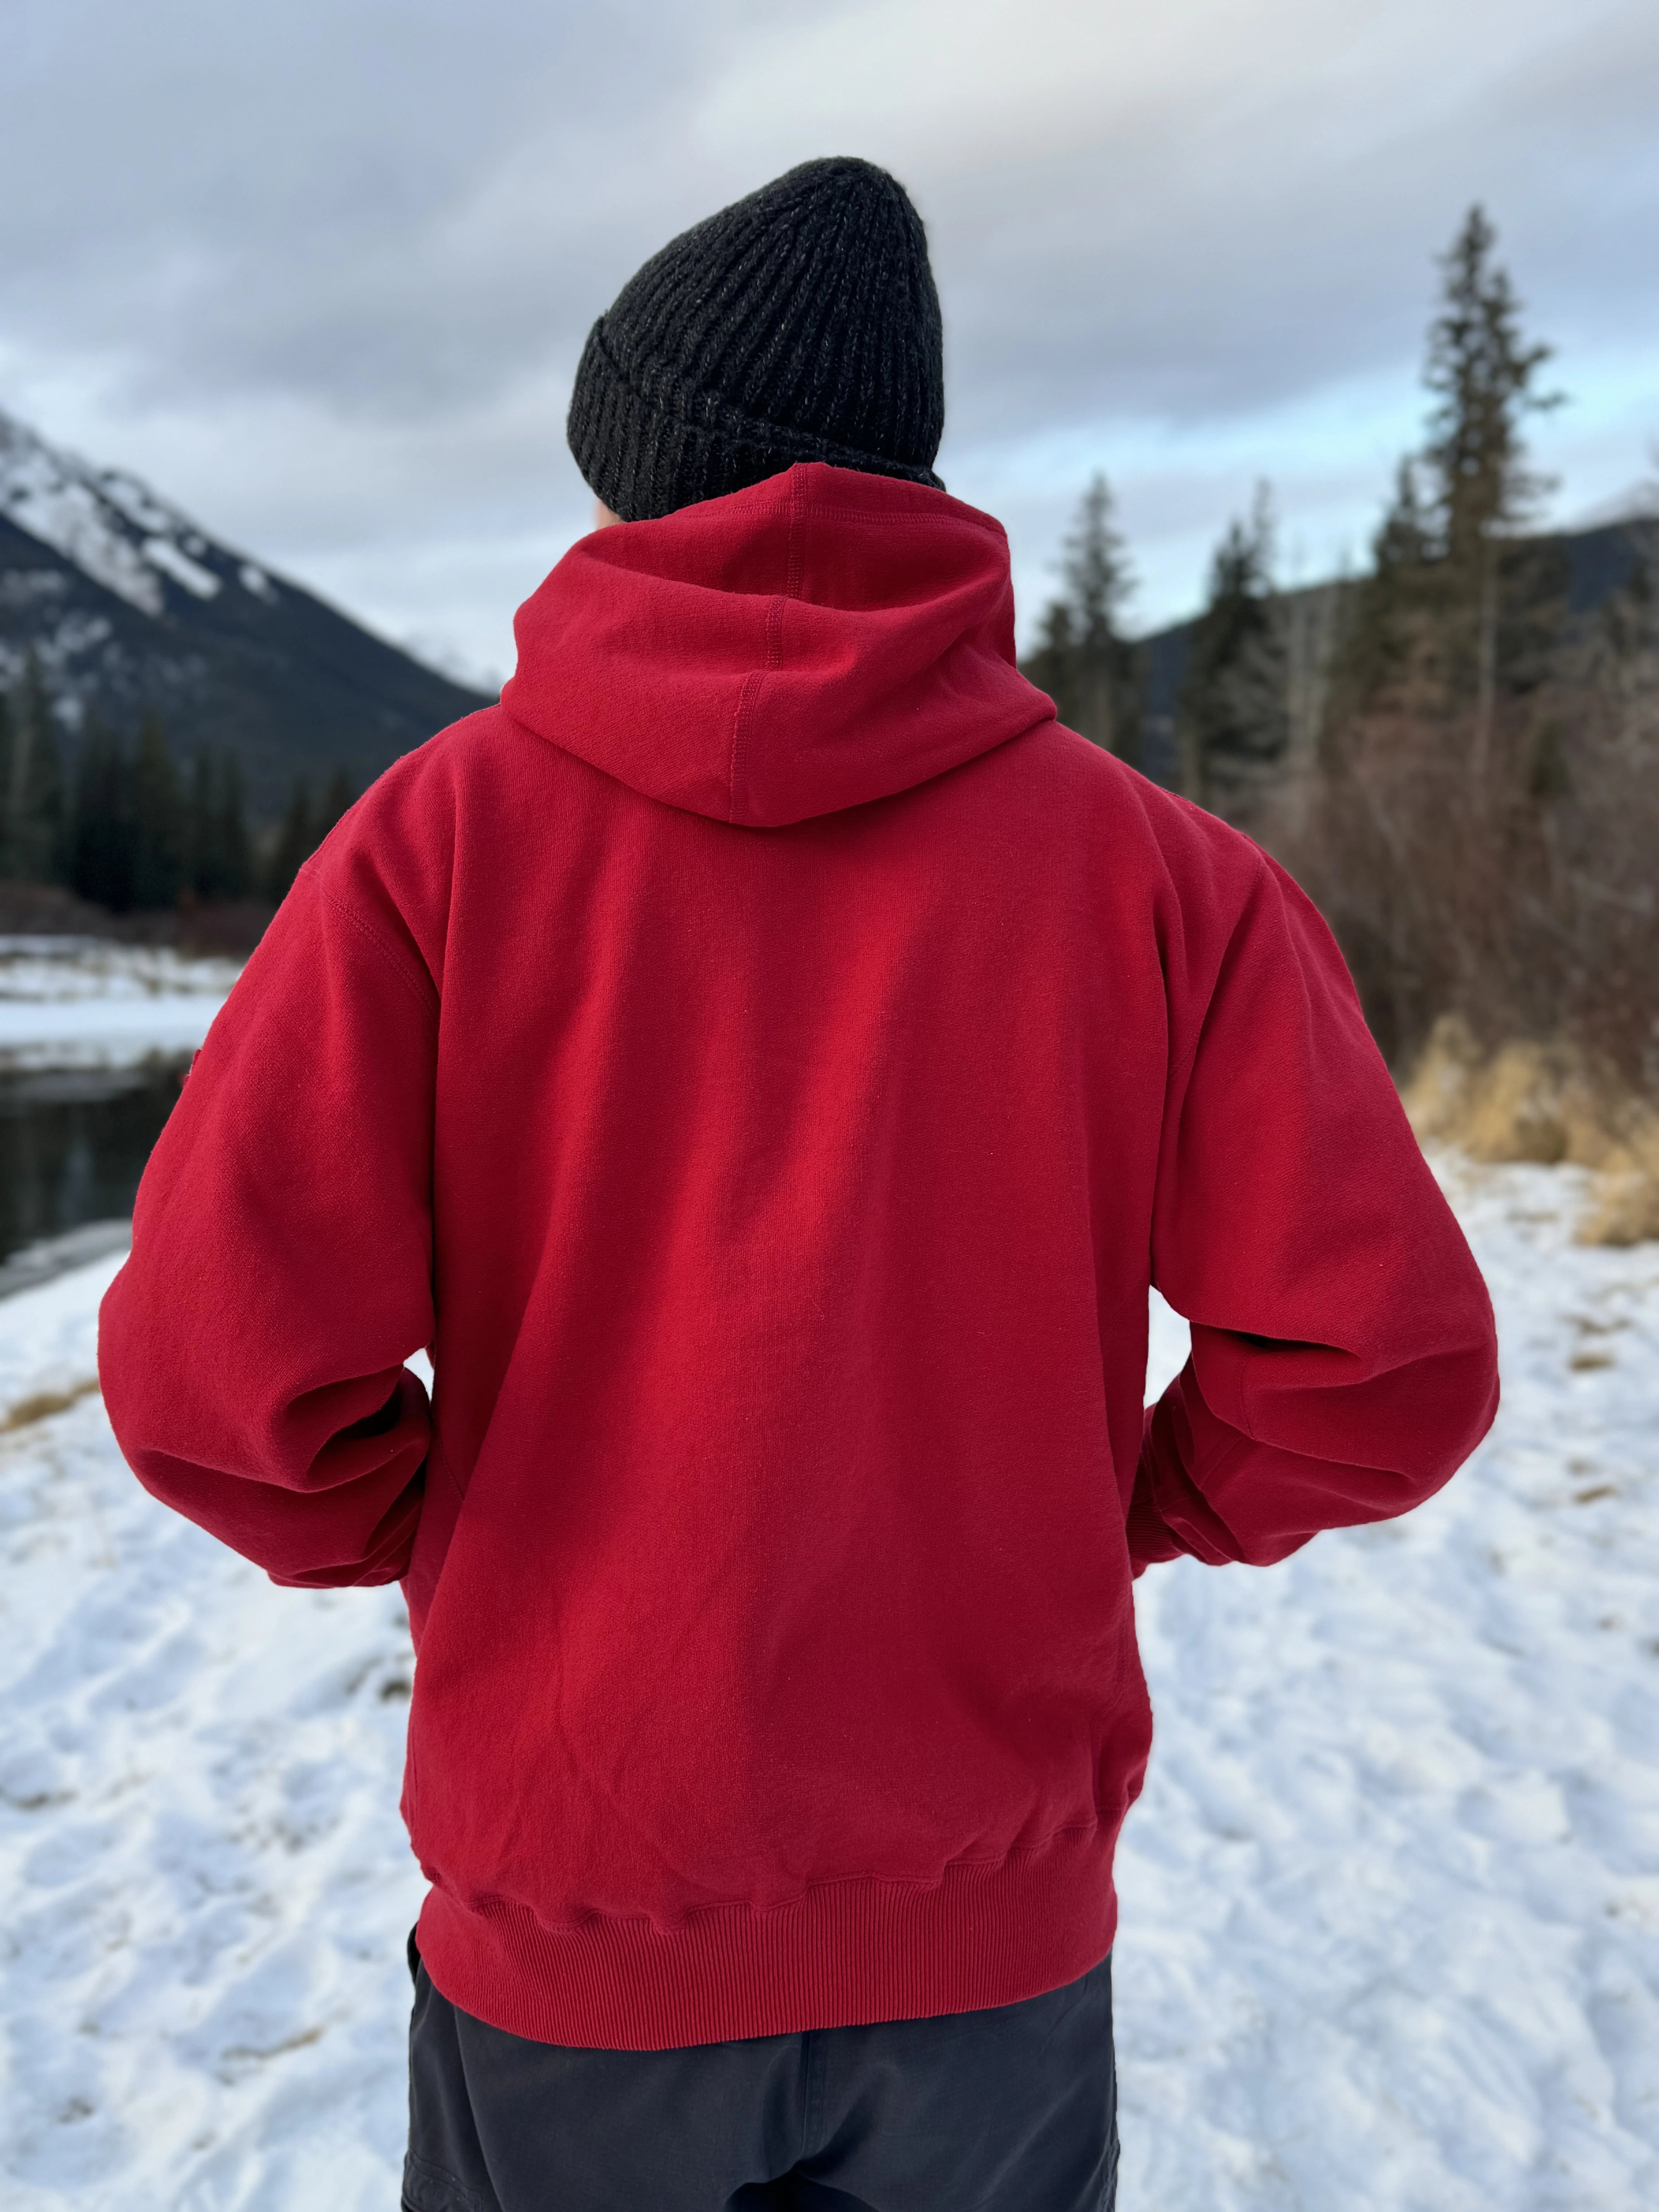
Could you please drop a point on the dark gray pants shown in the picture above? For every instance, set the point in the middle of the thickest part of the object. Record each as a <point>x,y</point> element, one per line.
<point>1009,2109</point>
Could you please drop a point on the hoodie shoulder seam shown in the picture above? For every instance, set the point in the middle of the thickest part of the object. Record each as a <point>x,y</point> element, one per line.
<point>425,995</point>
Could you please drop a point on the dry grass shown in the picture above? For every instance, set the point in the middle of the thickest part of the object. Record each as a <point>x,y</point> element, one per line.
<point>43,1404</point>
<point>1545,1104</point>
<point>1499,911</point>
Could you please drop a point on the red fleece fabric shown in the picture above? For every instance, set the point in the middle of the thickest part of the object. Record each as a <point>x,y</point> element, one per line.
<point>767,1061</point>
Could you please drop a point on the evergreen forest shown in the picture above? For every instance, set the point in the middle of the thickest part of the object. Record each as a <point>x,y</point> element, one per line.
<point>1454,751</point>
<point>123,824</point>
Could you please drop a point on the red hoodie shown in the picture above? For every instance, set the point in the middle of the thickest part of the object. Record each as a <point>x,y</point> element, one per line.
<point>767,1061</point>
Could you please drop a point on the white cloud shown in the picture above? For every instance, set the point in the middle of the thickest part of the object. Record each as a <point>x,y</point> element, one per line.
<point>322,272</point>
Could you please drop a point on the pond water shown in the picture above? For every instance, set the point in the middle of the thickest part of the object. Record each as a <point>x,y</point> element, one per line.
<point>73,1143</point>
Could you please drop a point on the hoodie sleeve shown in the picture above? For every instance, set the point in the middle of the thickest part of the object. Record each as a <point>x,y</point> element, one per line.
<point>252,1349</point>
<point>1344,1360</point>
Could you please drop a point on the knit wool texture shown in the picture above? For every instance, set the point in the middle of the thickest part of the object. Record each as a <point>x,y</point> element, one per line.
<point>800,324</point>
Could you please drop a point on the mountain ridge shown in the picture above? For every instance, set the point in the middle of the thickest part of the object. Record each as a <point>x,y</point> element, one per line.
<point>129,606</point>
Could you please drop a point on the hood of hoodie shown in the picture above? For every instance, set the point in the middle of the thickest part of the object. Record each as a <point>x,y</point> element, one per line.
<point>818,639</point>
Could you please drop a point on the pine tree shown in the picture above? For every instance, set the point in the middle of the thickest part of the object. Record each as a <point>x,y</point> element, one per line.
<point>158,820</point>
<point>1233,717</point>
<point>221,864</point>
<point>1082,659</point>
<point>1483,376</point>
<point>296,841</point>
<point>1404,542</point>
<point>102,840</point>
<point>31,783</point>
<point>235,852</point>
<point>1432,616</point>
<point>1388,607</point>
<point>337,799</point>
<point>1053,667</point>
<point>1097,578</point>
<point>200,829</point>
<point>1457,606</point>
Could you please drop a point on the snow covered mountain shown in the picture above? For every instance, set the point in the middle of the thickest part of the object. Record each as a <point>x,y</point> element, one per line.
<point>127,605</point>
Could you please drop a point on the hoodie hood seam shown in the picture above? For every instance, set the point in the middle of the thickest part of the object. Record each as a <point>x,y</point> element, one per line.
<point>824,511</point>
<point>748,694</point>
<point>776,654</point>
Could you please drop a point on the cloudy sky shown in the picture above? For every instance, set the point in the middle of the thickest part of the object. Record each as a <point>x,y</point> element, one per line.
<point>321,271</point>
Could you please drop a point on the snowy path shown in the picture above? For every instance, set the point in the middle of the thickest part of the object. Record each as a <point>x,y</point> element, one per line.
<point>1391,1902</point>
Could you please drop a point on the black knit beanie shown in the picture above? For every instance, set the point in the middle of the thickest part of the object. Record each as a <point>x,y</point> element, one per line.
<point>800,324</point>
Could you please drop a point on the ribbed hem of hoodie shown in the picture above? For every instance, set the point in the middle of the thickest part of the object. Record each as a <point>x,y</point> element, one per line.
<point>844,1954</point>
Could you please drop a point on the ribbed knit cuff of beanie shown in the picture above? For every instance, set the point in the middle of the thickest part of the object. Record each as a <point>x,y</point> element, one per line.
<point>800,324</point>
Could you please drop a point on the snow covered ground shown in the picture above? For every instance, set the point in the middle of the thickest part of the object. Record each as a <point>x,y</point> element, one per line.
<point>1391,1902</point>
<point>84,1002</point>
<point>1391,1899</point>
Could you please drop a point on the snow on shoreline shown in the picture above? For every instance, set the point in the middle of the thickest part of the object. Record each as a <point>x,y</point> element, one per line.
<point>1390,1934</point>
<point>75,1002</point>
